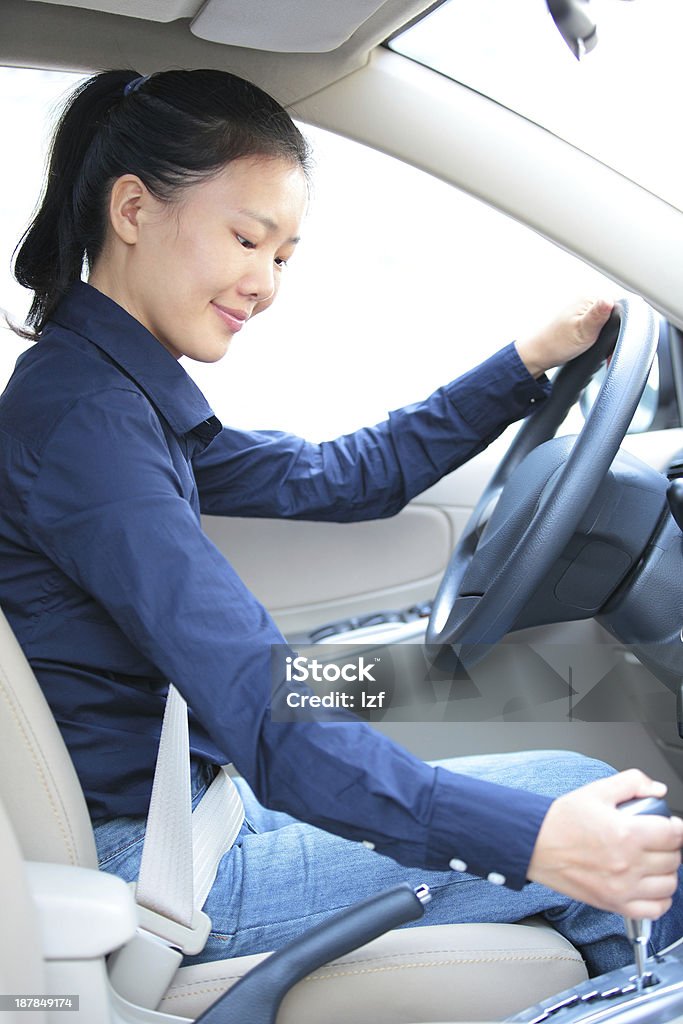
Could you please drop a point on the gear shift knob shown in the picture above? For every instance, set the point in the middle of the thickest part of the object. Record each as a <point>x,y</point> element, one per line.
<point>646,805</point>
<point>638,929</point>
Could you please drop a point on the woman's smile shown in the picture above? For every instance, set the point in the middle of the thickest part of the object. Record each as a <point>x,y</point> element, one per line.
<point>235,319</point>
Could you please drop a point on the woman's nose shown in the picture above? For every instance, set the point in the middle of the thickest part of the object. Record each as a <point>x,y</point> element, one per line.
<point>259,283</point>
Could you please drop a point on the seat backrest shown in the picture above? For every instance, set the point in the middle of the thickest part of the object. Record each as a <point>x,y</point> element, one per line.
<point>38,784</point>
<point>21,965</point>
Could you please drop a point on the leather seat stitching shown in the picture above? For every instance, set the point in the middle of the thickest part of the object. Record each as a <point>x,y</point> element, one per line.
<point>179,992</point>
<point>432,963</point>
<point>531,952</point>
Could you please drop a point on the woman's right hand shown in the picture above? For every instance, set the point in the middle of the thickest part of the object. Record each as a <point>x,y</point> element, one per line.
<point>624,863</point>
<point>569,334</point>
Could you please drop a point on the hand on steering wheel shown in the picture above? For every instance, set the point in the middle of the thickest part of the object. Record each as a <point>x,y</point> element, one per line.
<point>483,615</point>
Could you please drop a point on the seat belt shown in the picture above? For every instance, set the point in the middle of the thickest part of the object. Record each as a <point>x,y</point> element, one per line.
<point>180,856</point>
<point>165,882</point>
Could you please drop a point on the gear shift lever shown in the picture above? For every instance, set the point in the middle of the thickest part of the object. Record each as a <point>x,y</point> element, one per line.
<point>618,995</point>
<point>639,929</point>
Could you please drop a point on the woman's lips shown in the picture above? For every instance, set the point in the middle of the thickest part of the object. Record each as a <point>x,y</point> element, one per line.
<point>235,319</point>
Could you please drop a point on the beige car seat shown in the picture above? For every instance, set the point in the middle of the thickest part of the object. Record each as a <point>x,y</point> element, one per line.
<point>62,917</point>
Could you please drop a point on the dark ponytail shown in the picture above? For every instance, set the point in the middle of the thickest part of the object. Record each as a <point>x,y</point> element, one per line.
<point>172,130</point>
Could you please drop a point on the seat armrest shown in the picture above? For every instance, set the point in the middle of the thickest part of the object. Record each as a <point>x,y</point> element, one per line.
<point>82,913</point>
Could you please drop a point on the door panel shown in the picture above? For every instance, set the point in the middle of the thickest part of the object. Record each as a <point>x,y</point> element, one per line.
<point>311,573</point>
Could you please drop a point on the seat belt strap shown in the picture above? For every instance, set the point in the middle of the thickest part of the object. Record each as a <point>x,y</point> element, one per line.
<point>180,858</point>
<point>165,882</point>
<point>182,849</point>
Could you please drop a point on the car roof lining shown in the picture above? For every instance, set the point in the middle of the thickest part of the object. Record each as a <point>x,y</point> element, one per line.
<point>75,38</point>
<point>148,10</point>
<point>259,25</point>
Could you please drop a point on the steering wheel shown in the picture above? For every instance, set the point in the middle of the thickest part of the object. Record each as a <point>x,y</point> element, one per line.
<point>465,618</point>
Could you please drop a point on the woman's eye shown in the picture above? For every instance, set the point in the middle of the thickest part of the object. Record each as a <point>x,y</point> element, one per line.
<point>280,262</point>
<point>245,242</point>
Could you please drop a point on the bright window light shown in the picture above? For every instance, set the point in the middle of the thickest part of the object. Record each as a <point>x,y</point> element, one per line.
<point>621,103</point>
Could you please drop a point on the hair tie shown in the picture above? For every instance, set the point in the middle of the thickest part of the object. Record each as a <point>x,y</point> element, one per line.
<point>135,84</point>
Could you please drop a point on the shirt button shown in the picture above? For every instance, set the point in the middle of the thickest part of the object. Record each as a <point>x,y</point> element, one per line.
<point>367,844</point>
<point>495,878</point>
<point>457,865</point>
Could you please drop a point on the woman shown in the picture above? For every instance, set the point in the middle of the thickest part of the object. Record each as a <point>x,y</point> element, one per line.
<point>182,196</point>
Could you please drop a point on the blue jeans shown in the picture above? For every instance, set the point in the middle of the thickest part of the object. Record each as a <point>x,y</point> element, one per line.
<point>283,876</point>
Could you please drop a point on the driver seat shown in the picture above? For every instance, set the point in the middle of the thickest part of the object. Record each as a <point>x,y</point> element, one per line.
<point>443,972</point>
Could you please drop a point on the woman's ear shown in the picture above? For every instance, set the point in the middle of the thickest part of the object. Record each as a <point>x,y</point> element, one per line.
<point>128,197</point>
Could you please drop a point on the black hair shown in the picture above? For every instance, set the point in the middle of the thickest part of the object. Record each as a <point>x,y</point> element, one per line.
<point>172,130</point>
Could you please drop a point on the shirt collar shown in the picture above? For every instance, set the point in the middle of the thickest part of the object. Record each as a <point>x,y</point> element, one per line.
<point>131,346</point>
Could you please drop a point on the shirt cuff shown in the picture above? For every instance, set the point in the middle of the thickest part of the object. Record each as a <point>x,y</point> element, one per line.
<point>484,828</point>
<point>499,390</point>
<point>540,386</point>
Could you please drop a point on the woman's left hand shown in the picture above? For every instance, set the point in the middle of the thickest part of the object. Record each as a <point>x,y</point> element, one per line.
<point>568,336</point>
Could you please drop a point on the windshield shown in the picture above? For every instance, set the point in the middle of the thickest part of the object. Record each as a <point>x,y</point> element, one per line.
<point>621,102</point>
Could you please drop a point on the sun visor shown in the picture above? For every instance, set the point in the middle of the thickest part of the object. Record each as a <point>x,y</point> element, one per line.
<point>282,26</point>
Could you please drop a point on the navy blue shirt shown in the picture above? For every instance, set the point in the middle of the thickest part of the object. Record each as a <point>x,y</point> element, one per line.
<point>109,454</point>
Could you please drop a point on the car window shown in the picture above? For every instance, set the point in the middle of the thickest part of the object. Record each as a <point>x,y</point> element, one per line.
<point>399,284</point>
<point>620,102</point>
<point>29,103</point>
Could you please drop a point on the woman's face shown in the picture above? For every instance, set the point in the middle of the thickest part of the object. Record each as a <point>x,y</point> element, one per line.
<point>199,268</point>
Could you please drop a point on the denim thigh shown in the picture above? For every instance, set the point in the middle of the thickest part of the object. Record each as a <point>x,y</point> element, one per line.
<point>283,876</point>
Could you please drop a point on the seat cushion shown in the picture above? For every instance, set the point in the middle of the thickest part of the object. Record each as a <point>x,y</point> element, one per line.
<point>464,972</point>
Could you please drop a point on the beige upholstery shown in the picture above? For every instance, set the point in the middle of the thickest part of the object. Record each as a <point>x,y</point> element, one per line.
<point>38,783</point>
<point>448,973</point>
<point>21,966</point>
<point>444,972</point>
